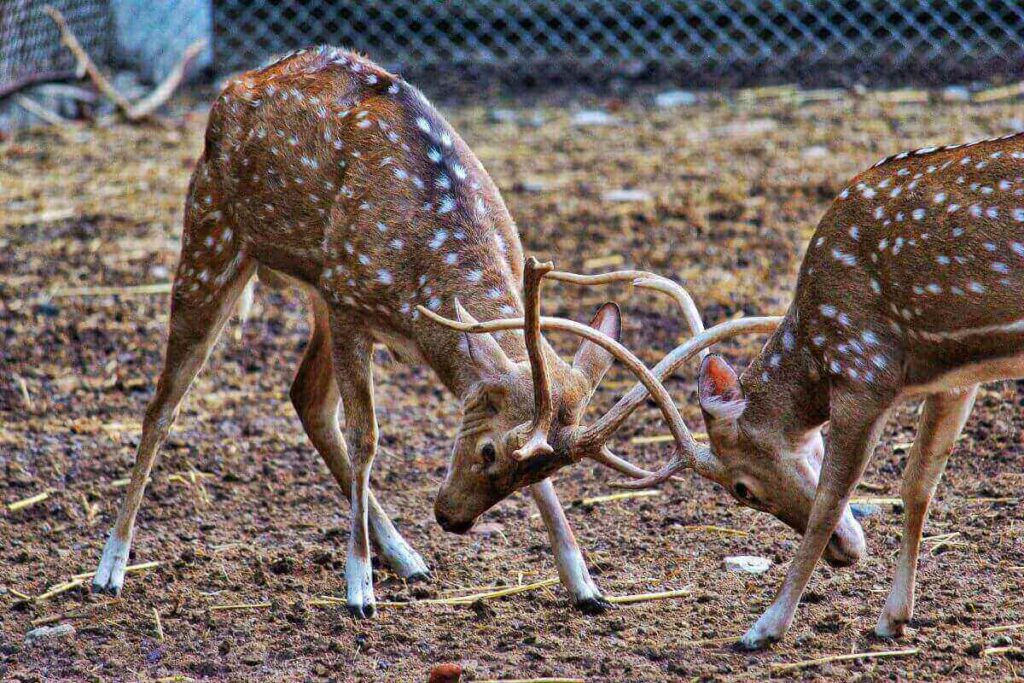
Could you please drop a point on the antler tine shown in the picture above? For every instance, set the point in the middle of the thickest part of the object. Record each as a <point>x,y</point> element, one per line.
<point>597,434</point>
<point>536,442</point>
<point>686,447</point>
<point>644,280</point>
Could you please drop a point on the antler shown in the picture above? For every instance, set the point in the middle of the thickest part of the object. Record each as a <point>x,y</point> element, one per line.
<point>644,280</point>
<point>686,447</point>
<point>536,442</point>
<point>597,434</point>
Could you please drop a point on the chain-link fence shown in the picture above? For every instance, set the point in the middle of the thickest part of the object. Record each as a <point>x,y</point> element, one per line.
<point>712,41</point>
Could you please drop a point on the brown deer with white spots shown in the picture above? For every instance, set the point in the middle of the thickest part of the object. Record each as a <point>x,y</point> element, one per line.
<point>327,172</point>
<point>911,287</point>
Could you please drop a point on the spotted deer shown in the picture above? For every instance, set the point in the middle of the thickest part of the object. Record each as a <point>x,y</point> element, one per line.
<point>326,171</point>
<point>910,288</point>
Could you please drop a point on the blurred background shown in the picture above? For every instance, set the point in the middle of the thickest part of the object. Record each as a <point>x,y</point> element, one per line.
<point>702,140</point>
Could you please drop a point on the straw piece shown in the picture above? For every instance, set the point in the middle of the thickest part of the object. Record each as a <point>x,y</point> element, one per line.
<point>1006,649</point>
<point>133,290</point>
<point>159,626</point>
<point>647,597</point>
<point>131,568</point>
<point>240,606</point>
<point>719,529</point>
<point>643,493</point>
<point>604,261</point>
<point>330,601</point>
<point>780,668</point>
<point>1000,629</point>
<point>712,641</point>
<point>664,438</point>
<point>877,500</point>
<point>529,680</point>
<point>1006,92</point>
<point>59,588</point>
<point>28,502</point>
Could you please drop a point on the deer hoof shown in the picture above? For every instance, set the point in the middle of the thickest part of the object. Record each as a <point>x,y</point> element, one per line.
<point>361,611</point>
<point>755,641</point>
<point>593,605</point>
<point>418,577</point>
<point>890,628</point>
<point>109,577</point>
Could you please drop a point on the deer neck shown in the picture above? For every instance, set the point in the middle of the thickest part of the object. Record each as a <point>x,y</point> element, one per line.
<point>783,387</point>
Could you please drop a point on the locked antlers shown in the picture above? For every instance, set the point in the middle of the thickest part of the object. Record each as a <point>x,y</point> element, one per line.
<point>589,442</point>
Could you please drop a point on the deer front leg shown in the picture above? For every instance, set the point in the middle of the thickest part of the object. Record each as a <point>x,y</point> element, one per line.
<point>856,422</point>
<point>572,569</point>
<point>941,422</point>
<point>355,382</point>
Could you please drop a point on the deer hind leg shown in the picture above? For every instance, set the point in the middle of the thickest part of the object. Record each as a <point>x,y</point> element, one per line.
<point>941,422</point>
<point>316,399</point>
<point>572,569</point>
<point>199,308</point>
<point>353,373</point>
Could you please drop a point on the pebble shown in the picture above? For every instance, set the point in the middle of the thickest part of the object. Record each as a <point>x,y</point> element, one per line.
<point>46,634</point>
<point>750,564</point>
<point>593,117</point>
<point>956,93</point>
<point>814,152</point>
<point>627,196</point>
<point>864,510</point>
<point>674,98</point>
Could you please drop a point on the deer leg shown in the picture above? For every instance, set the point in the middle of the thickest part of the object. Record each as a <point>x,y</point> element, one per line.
<point>197,316</point>
<point>572,569</point>
<point>316,398</point>
<point>943,418</point>
<point>855,426</point>
<point>353,373</point>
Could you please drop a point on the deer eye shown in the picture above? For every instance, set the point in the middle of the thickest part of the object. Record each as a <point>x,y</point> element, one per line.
<point>488,452</point>
<point>744,493</point>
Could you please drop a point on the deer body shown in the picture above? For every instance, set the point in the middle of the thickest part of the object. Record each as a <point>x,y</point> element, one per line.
<point>326,169</point>
<point>911,286</point>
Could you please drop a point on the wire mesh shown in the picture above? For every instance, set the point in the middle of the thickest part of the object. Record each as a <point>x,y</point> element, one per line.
<point>714,40</point>
<point>30,46</point>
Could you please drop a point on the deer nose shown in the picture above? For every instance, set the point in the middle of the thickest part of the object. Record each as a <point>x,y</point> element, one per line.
<point>451,525</point>
<point>846,546</point>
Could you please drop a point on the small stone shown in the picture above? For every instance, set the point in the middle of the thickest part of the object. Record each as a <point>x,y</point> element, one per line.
<point>864,510</point>
<point>627,196</point>
<point>814,152</point>
<point>1003,641</point>
<point>502,116</point>
<point>593,117</point>
<point>530,186</point>
<point>446,673</point>
<point>750,564</point>
<point>159,272</point>
<point>488,529</point>
<point>674,98</point>
<point>48,634</point>
<point>956,93</point>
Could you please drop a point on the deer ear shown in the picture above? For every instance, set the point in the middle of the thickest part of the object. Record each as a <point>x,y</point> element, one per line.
<point>721,397</point>
<point>489,359</point>
<point>592,360</point>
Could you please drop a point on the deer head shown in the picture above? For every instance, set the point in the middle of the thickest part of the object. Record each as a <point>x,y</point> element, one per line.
<point>522,421</point>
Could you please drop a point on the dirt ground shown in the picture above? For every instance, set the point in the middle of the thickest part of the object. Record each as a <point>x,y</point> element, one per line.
<point>242,511</point>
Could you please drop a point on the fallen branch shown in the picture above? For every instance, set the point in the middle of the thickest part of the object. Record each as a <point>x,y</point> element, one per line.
<point>780,668</point>
<point>648,597</point>
<point>144,107</point>
<point>40,112</point>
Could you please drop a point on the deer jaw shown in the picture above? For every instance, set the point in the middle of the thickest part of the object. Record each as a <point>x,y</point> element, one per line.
<point>762,466</point>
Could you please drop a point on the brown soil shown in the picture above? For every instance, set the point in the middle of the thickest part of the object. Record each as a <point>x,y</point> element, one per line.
<point>736,191</point>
